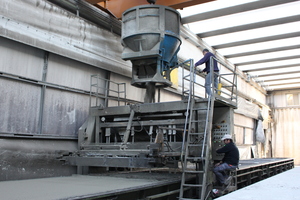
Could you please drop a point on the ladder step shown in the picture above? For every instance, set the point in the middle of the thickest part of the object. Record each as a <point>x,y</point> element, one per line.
<point>200,144</point>
<point>195,158</point>
<point>193,172</point>
<point>195,145</point>
<point>200,108</point>
<point>191,185</point>
<point>196,133</point>
<point>195,121</point>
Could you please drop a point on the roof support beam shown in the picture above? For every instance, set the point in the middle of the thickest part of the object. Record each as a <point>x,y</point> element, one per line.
<point>270,68</point>
<point>284,88</point>
<point>234,9</point>
<point>282,79</point>
<point>267,60</point>
<point>280,73</point>
<point>262,24</point>
<point>257,40</point>
<point>276,84</point>
<point>262,51</point>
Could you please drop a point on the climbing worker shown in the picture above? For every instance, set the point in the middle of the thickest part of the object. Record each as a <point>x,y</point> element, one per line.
<point>206,59</point>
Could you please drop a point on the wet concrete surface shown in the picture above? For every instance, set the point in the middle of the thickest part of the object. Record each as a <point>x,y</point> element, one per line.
<point>77,186</point>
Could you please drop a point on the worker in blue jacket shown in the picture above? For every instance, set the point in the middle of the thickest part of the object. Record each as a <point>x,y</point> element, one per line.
<point>230,160</point>
<point>206,59</point>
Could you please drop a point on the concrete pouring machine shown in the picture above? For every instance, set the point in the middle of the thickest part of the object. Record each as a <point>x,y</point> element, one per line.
<point>162,134</point>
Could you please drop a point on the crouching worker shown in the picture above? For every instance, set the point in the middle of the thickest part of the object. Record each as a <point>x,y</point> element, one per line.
<point>230,160</point>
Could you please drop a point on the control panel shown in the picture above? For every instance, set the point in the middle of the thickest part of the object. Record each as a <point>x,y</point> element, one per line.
<point>219,130</point>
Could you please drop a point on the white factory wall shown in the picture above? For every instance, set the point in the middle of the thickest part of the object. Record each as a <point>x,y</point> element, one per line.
<point>285,107</point>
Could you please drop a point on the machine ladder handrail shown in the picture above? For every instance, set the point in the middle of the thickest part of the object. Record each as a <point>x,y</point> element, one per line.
<point>190,78</point>
<point>202,162</point>
<point>102,90</point>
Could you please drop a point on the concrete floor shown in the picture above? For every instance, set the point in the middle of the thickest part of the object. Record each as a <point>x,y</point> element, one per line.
<point>285,185</point>
<point>77,186</point>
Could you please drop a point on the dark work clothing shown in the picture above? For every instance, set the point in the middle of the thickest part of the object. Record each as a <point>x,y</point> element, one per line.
<point>219,171</point>
<point>230,161</point>
<point>232,155</point>
<point>206,60</point>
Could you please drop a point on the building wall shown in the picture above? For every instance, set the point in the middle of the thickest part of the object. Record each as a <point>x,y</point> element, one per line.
<point>285,107</point>
<point>44,101</point>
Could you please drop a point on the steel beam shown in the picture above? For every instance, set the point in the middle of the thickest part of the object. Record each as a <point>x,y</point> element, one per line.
<point>270,68</point>
<point>148,108</point>
<point>281,79</point>
<point>234,10</point>
<point>245,27</point>
<point>127,162</point>
<point>144,123</point>
<point>257,40</point>
<point>280,73</point>
<point>43,91</point>
<point>270,84</point>
<point>262,51</point>
<point>267,60</point>
<point>285,88</point>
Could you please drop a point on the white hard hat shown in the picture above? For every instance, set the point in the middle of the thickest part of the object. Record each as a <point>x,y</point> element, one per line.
<point>226,137</point>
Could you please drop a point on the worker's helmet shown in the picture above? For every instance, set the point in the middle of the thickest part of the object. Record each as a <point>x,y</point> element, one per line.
<point>226,137</point>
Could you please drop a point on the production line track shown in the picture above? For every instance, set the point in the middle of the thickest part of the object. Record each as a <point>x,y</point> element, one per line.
<point>157,184</point>
<point>254,170</point>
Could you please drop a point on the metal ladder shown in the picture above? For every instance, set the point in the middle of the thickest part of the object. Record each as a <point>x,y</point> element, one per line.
<point>196,144</point>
